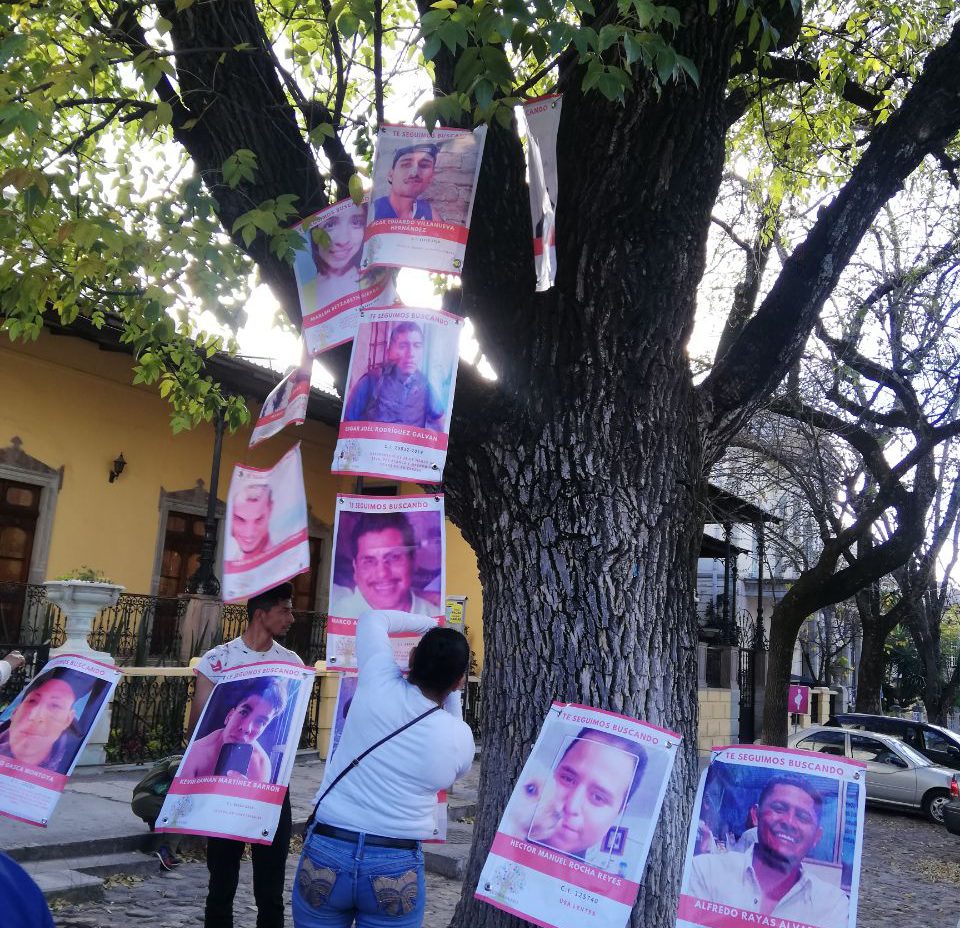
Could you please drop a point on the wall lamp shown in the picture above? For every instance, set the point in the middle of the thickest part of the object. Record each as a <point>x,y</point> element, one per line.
<point>118,465</point>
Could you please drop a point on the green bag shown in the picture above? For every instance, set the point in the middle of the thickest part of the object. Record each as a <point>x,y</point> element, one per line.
<point>149,793</point>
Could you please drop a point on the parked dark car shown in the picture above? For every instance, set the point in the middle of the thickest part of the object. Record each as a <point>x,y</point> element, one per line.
<point>940,745</point>
<point>951,811</point>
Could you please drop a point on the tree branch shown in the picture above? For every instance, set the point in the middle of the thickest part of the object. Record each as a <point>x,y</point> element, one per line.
<point>773,339</point>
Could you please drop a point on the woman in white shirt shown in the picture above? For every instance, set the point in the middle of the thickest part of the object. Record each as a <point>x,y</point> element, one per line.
<point>362,861</point>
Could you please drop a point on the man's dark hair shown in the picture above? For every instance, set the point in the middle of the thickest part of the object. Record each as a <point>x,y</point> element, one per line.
<point>425,147</point>
<point>791,779</point>
<point>624,744</point>
<point>266,688</point>
<point>441,658</point>
<point>398,330</point>
<point>380,522</point>
<point>268,599</point>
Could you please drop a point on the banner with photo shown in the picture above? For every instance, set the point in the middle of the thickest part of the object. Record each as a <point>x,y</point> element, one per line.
<point>776,838</point>
<point>267,540</point>
<point>424,184</point>
<point>399,396</point>
<point>346,690</point>
<point>329,281</point>
<point>236,769</point>
<point>573,841</point>
<point>44,730</point>
<point>286,404</point>
<point>542,117</point>
<point>388,553</point>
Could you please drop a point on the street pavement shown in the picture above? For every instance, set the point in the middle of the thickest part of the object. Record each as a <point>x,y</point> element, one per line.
<point>911,876</point>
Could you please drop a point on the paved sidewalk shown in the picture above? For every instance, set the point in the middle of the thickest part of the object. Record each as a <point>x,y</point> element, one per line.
<point>911,876</point>
<point>95,807</point>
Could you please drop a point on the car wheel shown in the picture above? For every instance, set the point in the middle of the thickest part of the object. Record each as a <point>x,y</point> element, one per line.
<point>933,804</point>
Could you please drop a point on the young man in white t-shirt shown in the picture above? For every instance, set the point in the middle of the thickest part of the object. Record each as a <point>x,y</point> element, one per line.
<point>270,615</point>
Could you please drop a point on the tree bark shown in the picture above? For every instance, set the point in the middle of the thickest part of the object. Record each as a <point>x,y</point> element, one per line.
<point>872,669</point>
<point>586,536</point>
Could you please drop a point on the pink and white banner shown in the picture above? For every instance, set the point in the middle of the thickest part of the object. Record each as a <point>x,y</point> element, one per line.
<point>543,119</point>
<point>237,766</point>
<point>331,286</point>
<point>44,730</point>
<point>285,405</point>
<point>388,553</point>
<point>424,184</point>
<point>571,847</point>
<point>776,839</point>
<point>267,541</point>
<point>399,397</point>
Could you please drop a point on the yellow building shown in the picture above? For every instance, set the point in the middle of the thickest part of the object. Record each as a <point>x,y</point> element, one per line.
<point>70,410</point>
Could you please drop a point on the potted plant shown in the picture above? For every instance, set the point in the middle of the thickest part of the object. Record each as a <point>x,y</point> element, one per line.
<point>80,595</point>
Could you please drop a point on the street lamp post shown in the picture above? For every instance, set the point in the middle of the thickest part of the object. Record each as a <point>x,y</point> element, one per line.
<point>204,580</point>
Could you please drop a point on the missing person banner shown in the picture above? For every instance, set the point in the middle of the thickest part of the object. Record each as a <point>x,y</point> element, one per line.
<point>346,690</point>
<point>331,286</point>
<point>44,730</point>
<point>286,404</point>
<point>267,540</point>
<point>399,396</point>
<point>571,847</point>
<point>543,119</point>
<point>423,188</point>
<point>388,553</point>
<point>776,839</point>
<point>236,769</point>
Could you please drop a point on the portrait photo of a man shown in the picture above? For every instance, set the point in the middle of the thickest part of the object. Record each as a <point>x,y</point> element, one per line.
<point>237,737</point>
<point>385,572</point>
<point>395,387</point>
<point>585,794</point>
<point>786,863</point>
<point>408,180</point>
<point>250,521</point>
<point>50,721</point>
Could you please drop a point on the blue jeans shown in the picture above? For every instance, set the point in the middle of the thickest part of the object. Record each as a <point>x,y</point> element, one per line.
<point>344,883</point>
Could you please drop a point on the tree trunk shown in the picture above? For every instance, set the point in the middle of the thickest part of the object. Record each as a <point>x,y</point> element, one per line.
<point>873,667</point>
<point>586,535</point>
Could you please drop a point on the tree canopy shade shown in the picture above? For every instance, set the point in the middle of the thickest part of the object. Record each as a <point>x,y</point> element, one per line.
<point>576,475</point>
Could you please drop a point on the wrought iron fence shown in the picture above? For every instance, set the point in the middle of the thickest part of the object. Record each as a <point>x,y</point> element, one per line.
<point>36,657</point>
<point>139,630</point>
<point>149,718</point>
<point>27,618</point>
<point>472,710</point>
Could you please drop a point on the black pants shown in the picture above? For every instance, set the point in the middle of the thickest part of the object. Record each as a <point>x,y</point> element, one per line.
<point>269,868</point>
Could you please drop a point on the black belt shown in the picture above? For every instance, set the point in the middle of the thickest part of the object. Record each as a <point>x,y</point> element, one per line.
<point>344,834</point>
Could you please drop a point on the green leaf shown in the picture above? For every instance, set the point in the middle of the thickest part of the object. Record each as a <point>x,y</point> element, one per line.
<point>182,5</point>
<point>666,62</point>
<point>740,13</point>
<point>355,186</point>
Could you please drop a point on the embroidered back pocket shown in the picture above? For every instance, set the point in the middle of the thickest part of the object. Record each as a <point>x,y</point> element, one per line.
<point>396,895</point>
<point>315,883</point>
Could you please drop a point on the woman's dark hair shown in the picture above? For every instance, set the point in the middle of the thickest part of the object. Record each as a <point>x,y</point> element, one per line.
<point>440,660</point>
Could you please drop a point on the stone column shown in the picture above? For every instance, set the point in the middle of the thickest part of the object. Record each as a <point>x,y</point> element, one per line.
<point>201,625</point>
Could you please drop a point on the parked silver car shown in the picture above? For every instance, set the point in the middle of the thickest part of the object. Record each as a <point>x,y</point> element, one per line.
<point>897,775</point>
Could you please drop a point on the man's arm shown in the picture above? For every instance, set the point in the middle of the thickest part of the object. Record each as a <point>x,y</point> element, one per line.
<point>357,401</point>
<point>374,652</point>
<point>201,693</point>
